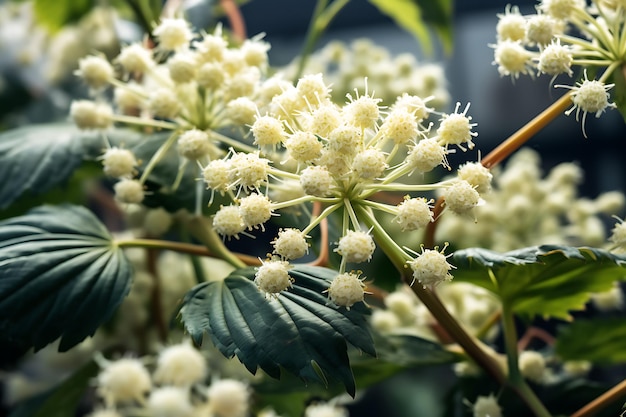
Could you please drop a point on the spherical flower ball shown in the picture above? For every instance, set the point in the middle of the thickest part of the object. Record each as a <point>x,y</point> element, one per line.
<point>229,398</point>
<point>356,246</point>
<point>384,321</point>
<point>180,365</point>
<point>123,381</point>
<point>414,213</point>
<point>241,110</point>
<point>370,163</point>
<point>591,96</point>
<point>210,75</point>
<point>486,406</point>
<point>194,144</point>
<point>119,162</point>
<point>456,129</point>
<point>255,52</point>
<point>555,59</point>
<point>164,103</point>
<point>400,126</point>
<point>135,58</point>
<point>303,146</point>
<point>431,267</point>
<point>268,131</point>
<point>541,29</point>
<point>95,70</point>
<point>170,402</point>
<point>612,299</point>
<point>316,181</point>
<point>477,175</point>
<point>91,115</point>
<point>512,58</point>
<point>173,34</point>
<point>255,210</point>
<point>511,25</point>
<point>363,112</point>
<point>290,244</point>
<point>129,191</point>
<point>128,97</point>
<point>426,155</point>
<point>402,304</point>
<point>228,222</point>
<point>215,174</point>
<point>461,197</point>
<point>325,410</point>
<point>323,120</point>
<point>414,105</point>
<point>313,89</point>
<point>248,170</point>
<point>346,290</point>
<point>532,365</point>
<point>345,140</point>
<point>272,277</point>
<point>182,67</point>
<point>157,222</point>
<point>562,9</point>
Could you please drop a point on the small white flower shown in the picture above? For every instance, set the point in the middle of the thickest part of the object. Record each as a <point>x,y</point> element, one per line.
<point>173,34</point>
<point>555,59</point>
<point>228,221</point>
<point>426,155</point>
<point>511,25</point>
<point>119,162</point>
<point>135,58</point>
<point>255,210</point>
<point>129,191</point>
<point>414,213</point>
<point>461,197</point>
<point>532,365</point>
<point>180,365</point>
<point>272,277</point>
<point>486,407</point>
<point>512,59</point>
<point>456,129</point>
<point>476,175</point>
<point>290,244</point>
<point>431,267</point>
<point>194,144</point>
<point>164,103</point>
<point>356,246</point>
<point>325,410</point>
<point>169,402</point>
<point>95,70</point>
<point>123,381</point>
<point>346,290</point>
<point>229,398</point>
<point>316,181</point>
<point>370,163</point>
<point>91,115</point>
<point>268,131</point>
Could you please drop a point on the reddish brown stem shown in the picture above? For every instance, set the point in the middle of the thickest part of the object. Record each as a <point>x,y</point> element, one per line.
<point>618,392</point>
<point>322,258</point>
<point>237,23</point>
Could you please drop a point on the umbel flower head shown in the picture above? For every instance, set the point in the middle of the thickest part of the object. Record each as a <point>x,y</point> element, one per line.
<point>561,35</point>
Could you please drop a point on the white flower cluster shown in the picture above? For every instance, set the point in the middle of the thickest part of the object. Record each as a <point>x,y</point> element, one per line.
<point>560,35</point>
<point>346,66</point>
<point>128,386</point>
<point>193,85</point>
<point>525,209</point>
<point>338,156</point>
<point>472,306</point>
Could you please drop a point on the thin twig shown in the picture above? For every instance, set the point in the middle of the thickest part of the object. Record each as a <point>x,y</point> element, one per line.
<point>322,258</point>
<point>237,22</point>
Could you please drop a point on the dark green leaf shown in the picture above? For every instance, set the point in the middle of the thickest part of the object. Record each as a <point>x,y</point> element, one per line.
<point>60,401</point>
<point>541,280</point>
<point>297,331</point>
<point>56,14</point>
<point>36,159</point>
<point>601,341</point>
<point>397,353</point>
<point>60,276</point>
<point>415,15</point>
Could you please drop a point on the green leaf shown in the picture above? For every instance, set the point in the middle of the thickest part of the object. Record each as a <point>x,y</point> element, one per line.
<point>60,276</point>
<point>58,13</point>
<point>62,400</point>
<point>397,353</point>
<point>415,15</point>
<point>602,341</point>
<point>36,159</point>
<point>541,280</point>
<point>297,330</point>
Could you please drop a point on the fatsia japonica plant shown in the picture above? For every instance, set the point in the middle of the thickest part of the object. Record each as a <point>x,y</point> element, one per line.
<point>263,240</point>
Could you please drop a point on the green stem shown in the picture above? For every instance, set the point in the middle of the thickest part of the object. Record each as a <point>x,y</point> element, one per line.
<point>204,232</point>
<point>516,380</point>
<point>321,18</point>
<point>181,247</point>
